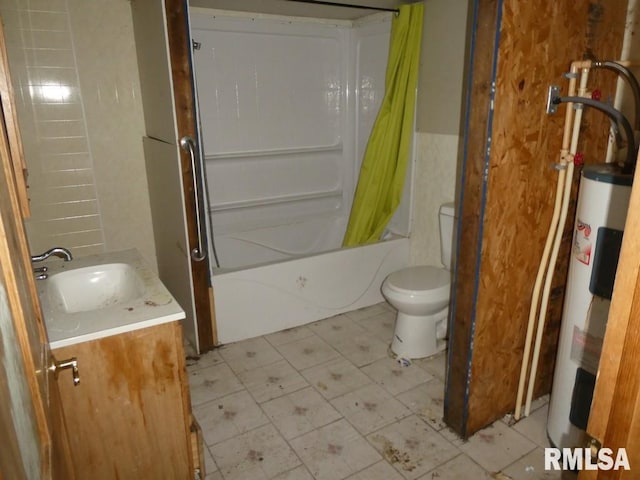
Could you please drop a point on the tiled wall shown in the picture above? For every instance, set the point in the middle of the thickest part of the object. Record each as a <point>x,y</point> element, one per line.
<point>65,208</point>
<point>434,184</point>
<point>75,76</point>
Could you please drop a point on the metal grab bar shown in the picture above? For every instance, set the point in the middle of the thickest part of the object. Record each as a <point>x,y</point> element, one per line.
<point>187,143</point>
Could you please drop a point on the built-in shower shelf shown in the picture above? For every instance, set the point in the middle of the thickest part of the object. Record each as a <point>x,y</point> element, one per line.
<point>275,200</point>
<point>337,147</point>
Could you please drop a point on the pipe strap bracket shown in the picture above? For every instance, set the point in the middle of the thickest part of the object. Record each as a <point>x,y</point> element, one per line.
<point>552,94</point>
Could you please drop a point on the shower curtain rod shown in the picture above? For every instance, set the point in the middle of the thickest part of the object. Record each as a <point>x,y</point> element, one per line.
<point>335,4</point>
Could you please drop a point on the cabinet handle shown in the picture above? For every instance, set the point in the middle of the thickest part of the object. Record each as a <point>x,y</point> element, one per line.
<point>71,363</point>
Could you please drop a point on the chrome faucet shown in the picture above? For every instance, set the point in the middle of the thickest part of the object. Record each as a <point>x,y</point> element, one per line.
<point>57,251</point>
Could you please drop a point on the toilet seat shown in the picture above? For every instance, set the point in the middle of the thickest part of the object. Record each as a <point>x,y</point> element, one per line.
<point>426,282</point>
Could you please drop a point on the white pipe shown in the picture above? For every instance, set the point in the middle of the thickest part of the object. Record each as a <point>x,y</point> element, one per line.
<point>557,241</point>
<point>536,289</point>
<point>629,43</point>
<point>564,159</point>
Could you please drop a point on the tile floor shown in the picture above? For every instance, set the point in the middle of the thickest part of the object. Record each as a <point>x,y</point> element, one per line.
<point>325,401</point>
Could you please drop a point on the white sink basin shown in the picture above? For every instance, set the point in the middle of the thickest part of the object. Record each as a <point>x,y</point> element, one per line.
<point>100,295</point>
<point>94,287</point>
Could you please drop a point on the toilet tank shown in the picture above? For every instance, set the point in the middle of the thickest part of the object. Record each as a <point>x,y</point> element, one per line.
<point>447,223</point>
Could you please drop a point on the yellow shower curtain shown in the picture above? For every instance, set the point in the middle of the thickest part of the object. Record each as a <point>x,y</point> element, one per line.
<point>385,160</point>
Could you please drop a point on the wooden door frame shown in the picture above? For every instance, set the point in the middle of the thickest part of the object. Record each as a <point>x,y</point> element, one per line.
<point>615,411</point>
<point>40,403</point>
<point>507,189</point>
<point>179,38</point>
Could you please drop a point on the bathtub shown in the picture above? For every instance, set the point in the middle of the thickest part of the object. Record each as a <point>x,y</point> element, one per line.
<point>283,134</point>
<point>263,299</point>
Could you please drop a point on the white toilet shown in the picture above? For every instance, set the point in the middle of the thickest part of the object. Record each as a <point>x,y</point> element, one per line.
<point>421,296</point>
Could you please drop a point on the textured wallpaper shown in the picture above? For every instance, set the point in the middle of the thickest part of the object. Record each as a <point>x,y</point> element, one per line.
<point>434,184</point>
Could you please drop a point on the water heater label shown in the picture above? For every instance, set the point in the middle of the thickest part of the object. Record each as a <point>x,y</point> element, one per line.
<point>586,350</point>
<point>582,242</point>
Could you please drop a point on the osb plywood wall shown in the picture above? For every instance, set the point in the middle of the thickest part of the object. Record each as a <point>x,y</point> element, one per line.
<point>508,190</point>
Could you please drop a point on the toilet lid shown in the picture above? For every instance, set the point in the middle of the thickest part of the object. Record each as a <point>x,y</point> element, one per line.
<point>420,279</point>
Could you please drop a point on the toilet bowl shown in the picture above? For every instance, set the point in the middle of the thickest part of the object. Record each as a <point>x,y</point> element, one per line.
<point>420,294</point>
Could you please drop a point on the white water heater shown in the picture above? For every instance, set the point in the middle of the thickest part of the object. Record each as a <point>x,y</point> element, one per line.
<point>601,212</point>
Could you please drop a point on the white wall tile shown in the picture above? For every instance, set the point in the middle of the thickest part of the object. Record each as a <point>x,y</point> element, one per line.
<point>53,128</point>
<point>74,68</point>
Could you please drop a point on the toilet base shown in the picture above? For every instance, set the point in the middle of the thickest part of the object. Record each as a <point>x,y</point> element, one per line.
<point>416,336</point>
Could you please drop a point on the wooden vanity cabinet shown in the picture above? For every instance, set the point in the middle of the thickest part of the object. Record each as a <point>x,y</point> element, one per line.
<point>130,415</point>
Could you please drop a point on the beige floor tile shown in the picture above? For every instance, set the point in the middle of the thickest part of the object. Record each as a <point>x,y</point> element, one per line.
<point>452,436</point>
<point>272,381</point>
<point>459,468</point>
<point>307,352</point>
<point>362,349</point>
<point>536,404</point>
<point>304,385</point>
<point>427,401</point>
<point>335,451</point>
<point>381,325</point>
<point>496,446</point>
<point>300,473</point>
<point>531,467</point>
<point>289,335</point>
<point>435,365</point>
<point>259,454</point>
<point>214,476</point>
<point>335,378</point>
<point>249,354</point>
<point>371,311</point>
<point>212,382</point>
<point>228,416</point>
<point>534,427</point>
<point>539,402</point>
<point>370,408</point>
<point>412,447</point>
<point>379,471</point>
<point>300,412</point>
<point>210,466</point>
<point>395,378</point>
<point>196,362</point>
<point>336,328</point>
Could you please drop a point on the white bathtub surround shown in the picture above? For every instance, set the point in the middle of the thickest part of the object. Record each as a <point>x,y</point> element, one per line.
<point>434,184</point>
<point>287,105</point>
<point>269,298</point>
<point>285,128</point>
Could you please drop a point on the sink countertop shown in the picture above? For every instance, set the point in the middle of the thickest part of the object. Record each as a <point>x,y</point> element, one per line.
<point>156,306</point>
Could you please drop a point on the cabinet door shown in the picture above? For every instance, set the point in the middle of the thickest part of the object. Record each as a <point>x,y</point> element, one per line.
<point>129,415</point>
